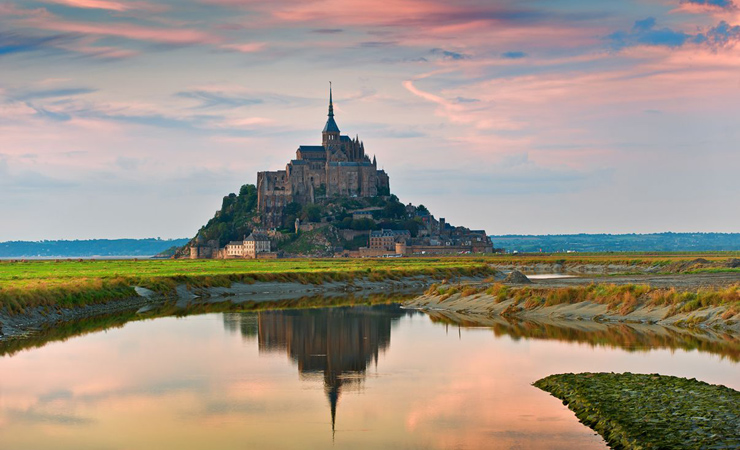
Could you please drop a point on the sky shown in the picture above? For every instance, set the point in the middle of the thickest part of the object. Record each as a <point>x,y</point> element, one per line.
<point>134,118</point>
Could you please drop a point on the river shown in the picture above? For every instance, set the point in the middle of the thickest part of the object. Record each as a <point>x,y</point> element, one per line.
<point>345,377</point>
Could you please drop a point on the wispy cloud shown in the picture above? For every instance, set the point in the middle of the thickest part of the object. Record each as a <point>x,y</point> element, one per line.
<point>513,55</point>
<point>646,32</point>
<point>704,6</point>
<point>50,93</point>
<point>110,5</point>
<point>447,54</point>
<point>180,36</point>
<point>212,99</point>
<point>18,43</point>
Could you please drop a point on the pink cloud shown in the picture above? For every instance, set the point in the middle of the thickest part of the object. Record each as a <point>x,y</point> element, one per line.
<point>459,113</point>
<point>10,10</point>
<point>693,7</point>
<point>245,48</point>
<point>87,47</point>
<point>162,35</point>
<point>110,5</point>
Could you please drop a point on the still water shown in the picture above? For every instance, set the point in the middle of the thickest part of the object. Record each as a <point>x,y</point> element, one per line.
<point>346,377</point>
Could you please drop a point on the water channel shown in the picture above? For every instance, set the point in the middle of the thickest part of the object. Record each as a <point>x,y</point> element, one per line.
<point>361,377</point>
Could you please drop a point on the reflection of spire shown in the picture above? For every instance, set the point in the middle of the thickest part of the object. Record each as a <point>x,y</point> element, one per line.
<point>338,344</point>
<point>333,394</point>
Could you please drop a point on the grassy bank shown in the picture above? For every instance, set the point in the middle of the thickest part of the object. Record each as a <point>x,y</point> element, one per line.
<point>26,284</point>
<point>72,283</point>
<point>622,299</point>
<point>633,411</point>
<point>67,330</point>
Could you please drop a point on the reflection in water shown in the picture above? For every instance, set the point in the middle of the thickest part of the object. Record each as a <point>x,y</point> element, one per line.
<point>335,344</point>
<point>222,380</point>
<point>626,336</point>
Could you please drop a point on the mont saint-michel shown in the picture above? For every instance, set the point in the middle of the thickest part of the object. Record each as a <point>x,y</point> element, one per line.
<point>331,200</point>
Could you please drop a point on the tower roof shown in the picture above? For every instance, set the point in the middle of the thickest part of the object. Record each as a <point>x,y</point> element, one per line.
<point>331,125</point>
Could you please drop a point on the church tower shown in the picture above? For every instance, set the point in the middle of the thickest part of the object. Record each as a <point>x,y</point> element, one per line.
<point>330,135</point>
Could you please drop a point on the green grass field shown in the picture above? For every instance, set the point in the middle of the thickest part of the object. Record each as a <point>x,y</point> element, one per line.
<point>69,283</point>
<point>75,282</point>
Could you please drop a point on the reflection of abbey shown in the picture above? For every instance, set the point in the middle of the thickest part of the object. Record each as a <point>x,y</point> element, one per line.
<point>333,345</point>
<point>337,167</point>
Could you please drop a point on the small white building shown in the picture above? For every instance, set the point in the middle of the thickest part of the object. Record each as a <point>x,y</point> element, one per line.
<point>256,243</point>
<point>235,249</point>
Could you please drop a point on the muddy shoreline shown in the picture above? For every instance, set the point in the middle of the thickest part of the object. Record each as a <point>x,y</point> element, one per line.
<point>43,317</point>
<point>482,304</point>
<point>35,319</point>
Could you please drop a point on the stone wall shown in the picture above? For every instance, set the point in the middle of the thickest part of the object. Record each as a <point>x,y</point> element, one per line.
<point>348,235</point>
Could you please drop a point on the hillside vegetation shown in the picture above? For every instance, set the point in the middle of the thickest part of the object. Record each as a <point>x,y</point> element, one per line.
<point>239,216</point>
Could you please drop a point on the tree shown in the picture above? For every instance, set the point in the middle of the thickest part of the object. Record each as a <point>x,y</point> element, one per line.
<point>228,201</point>
<point>394,210</point>
<point>311,213</point>
<point>292,208</point>
<point>422,210</point>
<point>363,224</point>
<point>412,226</point>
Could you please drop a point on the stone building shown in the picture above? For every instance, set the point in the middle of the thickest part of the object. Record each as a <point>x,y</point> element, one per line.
<point>387,239</point>
<point>203,249</point>
<point>339,167</point>
<point>256,243</point>
<point>253,246</point>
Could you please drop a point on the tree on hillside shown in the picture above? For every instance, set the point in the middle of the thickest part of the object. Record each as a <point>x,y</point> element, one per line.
<point>311,213</point>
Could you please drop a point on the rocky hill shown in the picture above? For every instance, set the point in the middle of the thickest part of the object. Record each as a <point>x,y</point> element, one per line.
<point>323,222</point>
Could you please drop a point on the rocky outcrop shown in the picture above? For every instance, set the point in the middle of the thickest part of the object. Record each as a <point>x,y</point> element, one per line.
<point>516,277</point>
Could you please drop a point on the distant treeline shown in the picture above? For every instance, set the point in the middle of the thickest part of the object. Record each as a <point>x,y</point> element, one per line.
<point>658,242</point>
<point>88,248</point>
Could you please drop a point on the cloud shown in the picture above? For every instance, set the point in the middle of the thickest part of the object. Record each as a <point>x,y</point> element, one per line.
<point>42,418</point>
<point>245,48</point>
<point>720,35</point>
<point>173,36</point>
<point>127,163</point>
<point>646,32</point>
<point>446,54</point>
<point>51,93</point>
<point>18,43</point>
<point>44,113</point>
<point>210,99</point>
<point>26,180</point>
<point>513,55</point>
<point>696,6</point>
<point>328,30</point>
<point>60,44</point>
<point>109,5</point>
<point>515,175</point>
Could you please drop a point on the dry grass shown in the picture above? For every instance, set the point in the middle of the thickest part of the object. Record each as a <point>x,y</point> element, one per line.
<point>622,299</point>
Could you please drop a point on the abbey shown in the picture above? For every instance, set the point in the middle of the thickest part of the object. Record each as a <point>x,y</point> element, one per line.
<point>338,167</point>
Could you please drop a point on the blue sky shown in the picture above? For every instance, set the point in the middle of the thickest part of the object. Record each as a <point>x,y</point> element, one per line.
<point>133,118</point>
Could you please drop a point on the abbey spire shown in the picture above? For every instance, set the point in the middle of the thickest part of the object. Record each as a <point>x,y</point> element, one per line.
<point>331,127</point>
